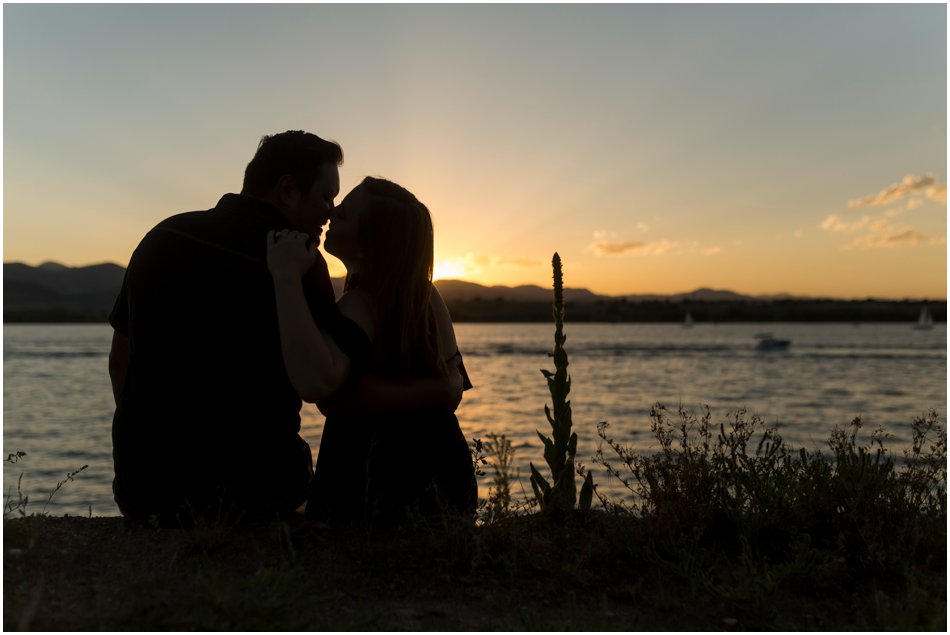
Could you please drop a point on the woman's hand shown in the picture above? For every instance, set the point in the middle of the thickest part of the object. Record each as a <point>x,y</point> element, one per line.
<point>289,254</point>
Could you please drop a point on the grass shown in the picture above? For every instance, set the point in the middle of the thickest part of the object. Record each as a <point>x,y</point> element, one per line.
<point>725,528</point>
<point>728,529</point>
<point>19,504</point>
<point>595,570</point>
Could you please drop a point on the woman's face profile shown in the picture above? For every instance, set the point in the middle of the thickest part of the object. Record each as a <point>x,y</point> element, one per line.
<point>342,239</point>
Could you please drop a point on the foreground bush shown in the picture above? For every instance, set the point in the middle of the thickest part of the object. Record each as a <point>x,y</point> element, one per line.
<point>739,484</point>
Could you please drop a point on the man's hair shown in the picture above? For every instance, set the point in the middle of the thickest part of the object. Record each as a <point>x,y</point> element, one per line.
<point>295,152</point>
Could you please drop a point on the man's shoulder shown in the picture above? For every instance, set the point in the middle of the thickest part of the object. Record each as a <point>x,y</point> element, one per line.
<point>186,220</point>
<point>204,225</point>
<point>171,231</point>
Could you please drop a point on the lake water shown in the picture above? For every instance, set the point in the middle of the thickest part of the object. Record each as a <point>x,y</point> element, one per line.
<point>57,400</point>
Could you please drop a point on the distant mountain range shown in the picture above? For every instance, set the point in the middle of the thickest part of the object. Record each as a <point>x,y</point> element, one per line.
<point>52,292</point>
<point>462,290</point>
<point>52,283</point>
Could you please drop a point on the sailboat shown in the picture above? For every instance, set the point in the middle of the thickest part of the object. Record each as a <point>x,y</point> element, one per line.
<point>925,322</point>
<point>688,321</point>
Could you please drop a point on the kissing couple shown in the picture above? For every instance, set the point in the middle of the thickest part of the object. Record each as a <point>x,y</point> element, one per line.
<point>227,322</point>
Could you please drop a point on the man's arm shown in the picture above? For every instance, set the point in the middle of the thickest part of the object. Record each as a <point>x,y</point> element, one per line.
<point>118,363</point>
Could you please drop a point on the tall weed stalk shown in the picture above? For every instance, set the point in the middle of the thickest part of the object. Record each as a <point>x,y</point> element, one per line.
<point>561,493</point>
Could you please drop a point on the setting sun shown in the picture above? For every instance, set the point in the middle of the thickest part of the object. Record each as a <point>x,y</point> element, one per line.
<point>636,188</point>
<point>556,218</point>
<point>455,268</point>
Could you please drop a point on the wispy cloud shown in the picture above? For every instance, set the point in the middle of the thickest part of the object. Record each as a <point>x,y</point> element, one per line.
<point>622,248</point>
<point>515,262</point>
<point>918,187</point>
<point>610,245</point>
<point>903,238</point>
<point>879,232</point>
<point>837,224</point>
<point>659,247</point>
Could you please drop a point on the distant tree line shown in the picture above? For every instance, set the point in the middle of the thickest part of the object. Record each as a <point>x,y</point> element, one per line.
<point>500,310</point>
<point>68,315</point>
<point>482,310</point>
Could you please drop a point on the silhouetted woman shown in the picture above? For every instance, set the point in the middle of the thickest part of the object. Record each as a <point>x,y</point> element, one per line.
<point>396,465</point>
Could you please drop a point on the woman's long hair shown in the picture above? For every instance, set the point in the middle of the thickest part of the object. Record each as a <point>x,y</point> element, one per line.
<point>396,240</point>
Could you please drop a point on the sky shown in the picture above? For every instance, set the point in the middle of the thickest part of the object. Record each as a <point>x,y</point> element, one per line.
<point>657,148</point>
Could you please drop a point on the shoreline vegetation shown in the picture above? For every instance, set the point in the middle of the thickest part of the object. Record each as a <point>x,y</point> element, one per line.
<point>725,528</point>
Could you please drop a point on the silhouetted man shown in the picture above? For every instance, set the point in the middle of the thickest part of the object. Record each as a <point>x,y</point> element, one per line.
<point>206,419</point>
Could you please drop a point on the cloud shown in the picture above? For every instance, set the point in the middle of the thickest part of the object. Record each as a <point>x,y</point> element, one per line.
<point>902,238</point>
<point>897,211</point>
<point>515,262</point>
<point>837,224</point>
<point>915,186</point>
<point>877,232</point>
<point>938,193</point>
<point>610,245</point>
<point>659,247</point>
<point>882,234</point>
<point>624,248</point>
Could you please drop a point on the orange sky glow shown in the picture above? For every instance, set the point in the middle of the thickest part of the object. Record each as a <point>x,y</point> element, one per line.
<point>759,148</point>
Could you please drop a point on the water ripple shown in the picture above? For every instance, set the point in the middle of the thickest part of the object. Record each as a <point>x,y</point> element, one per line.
<point>58,404</point>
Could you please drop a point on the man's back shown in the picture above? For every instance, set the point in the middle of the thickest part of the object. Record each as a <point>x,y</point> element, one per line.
<point>207,409</point>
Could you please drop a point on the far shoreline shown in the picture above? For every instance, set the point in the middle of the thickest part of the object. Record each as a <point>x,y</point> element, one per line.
<point>499,310</point>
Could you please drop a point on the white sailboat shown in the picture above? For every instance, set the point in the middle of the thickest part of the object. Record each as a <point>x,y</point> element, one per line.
<point>926,321</point>
<point>688,321</point>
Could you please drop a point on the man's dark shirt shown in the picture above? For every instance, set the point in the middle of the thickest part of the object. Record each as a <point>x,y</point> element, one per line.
<point>207,409</point>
